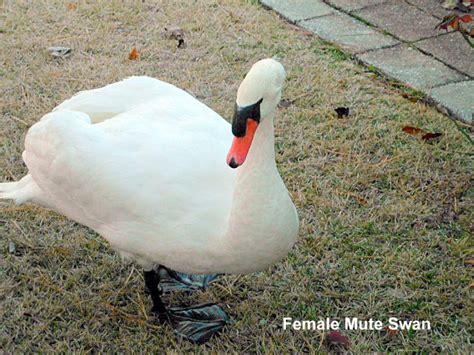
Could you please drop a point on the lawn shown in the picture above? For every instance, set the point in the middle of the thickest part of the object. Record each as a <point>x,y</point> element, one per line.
<point>385,217</point>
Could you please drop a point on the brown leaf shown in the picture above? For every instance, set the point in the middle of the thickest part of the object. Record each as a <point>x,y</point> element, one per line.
<point>133,54</point>
<point>447,21</point>
<point>72,6</point>
<point>336,338</point>
<point>431,136</point>
<point>412,98</point>
<point>412,130</point>
<point>390,331</point>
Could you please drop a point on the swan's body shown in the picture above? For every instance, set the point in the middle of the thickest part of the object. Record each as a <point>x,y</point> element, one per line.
<point>143,163</point>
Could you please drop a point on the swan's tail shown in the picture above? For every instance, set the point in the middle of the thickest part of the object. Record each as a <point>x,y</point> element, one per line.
<point>20,191</point>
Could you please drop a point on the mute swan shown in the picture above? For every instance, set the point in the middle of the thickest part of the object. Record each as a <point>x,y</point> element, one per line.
<point>143,164</point>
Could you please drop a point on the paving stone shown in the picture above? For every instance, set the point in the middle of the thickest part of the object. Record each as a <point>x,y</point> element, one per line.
<point>297,10</point>
<point>351,5</point>
<point>452,49</point>
<point>411,66</point>
<point>458,98</point>
<point>348,32</point>
<point>432,7</point>
<point>401,19</point>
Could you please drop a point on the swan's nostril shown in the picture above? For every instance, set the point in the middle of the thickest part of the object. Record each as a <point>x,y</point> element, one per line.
<point>233,164</point>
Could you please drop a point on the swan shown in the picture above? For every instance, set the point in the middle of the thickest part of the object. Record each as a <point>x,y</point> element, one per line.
<point>149,168</point>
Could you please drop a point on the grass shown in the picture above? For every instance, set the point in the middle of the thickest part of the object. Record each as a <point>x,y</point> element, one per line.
<point>386,218</point>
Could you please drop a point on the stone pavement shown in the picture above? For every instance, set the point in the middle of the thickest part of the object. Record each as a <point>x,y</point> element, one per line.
<point>397,37</point>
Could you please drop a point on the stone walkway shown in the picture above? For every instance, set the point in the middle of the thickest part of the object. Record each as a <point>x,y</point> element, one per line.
<point>398,37</point>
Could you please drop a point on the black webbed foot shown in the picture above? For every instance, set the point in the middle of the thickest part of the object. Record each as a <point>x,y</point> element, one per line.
<point>197,323</point>
<point>172,280</point>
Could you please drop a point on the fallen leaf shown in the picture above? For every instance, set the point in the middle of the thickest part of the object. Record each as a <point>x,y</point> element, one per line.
<point>390,331</point>
<point>342,111</point>
<point>427,136</point>
<point>465,18</point>
<point>72,6</point>
<point>431,136</point>
<point>133,54</point>
<point>336,338</point>
<point>60,52</point>
<point>284,103</point>
<point>469,262</point>
<point>412,98</point>
<point>446,22</point>
<point>412,130</point>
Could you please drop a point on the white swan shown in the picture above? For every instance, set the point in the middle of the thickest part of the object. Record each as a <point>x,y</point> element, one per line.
<point>143,163</point>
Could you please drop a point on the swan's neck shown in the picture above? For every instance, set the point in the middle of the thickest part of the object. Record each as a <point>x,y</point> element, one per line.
<point>257,182</point>
<point>263,223</point>
<point>261,156</point>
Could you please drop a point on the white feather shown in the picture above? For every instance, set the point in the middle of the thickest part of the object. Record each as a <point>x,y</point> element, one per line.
<point>143,163</point>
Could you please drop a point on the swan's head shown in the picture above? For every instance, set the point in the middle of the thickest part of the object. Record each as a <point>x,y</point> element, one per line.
<point>257,98</point>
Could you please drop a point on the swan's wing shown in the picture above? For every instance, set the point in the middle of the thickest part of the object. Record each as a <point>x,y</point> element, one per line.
<point>136,177</point>
<point>106,102</point>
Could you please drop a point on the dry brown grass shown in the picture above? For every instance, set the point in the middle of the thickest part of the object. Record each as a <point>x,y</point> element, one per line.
<point>385,217</point>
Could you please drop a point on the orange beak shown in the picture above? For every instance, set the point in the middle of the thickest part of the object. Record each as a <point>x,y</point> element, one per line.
<point>241,145</point>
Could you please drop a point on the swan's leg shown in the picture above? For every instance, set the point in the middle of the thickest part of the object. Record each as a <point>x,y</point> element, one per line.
<point>152,279</point>
<point>172,280</point>
<point>196,323</point>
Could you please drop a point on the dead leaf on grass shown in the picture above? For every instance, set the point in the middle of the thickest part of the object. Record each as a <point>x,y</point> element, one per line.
<point>133,54</point>
<point>426,136</point>
<point>336,338</point>
<point>390,331</point>
<point>342,111</point>
<point>412,130</point>
<point>72,6</point>
<point>431,136</point>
